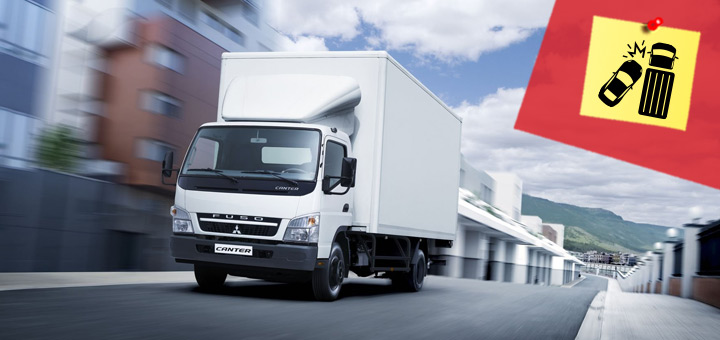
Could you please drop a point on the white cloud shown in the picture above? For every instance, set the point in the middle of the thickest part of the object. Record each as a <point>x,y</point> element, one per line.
<point>570,175</point>
<point>449,30</point>
<point>303,44</point>
<point>330,18</point>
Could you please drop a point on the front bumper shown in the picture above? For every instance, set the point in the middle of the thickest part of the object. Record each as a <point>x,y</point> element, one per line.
<point>276,256</point>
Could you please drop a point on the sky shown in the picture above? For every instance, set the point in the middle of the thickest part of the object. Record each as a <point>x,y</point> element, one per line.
<point>477,56</point>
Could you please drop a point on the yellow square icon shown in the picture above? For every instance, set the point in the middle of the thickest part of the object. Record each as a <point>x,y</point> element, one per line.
<point>639,76</point>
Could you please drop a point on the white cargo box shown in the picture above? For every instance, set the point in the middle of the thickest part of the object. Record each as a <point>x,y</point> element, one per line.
<point>406,141</point>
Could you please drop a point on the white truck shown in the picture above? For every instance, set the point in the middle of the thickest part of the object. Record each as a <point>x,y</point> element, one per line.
<point>318,164</point>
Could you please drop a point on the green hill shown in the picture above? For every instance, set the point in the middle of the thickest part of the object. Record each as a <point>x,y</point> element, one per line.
<point>594,228</point>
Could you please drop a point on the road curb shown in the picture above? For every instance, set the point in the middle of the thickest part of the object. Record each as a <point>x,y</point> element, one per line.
<point>573,283</point>
<point>591,328</point>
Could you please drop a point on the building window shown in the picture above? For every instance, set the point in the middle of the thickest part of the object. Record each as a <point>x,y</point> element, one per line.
<point>152,149</point>
<point>23,29</point>
<point>235,36</point>
<point>165,3</point>
<point>225,29</point>
<point>212,21</point>
<point>161,103</point>
<point>250,11</point>
<point>487,194</point>
<point>165,57</point>
<point>187,9</point>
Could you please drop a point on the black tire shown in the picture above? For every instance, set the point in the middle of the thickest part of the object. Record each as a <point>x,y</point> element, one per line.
<point>209,278</point>
<point>413,280</point>
<point>327,281</point>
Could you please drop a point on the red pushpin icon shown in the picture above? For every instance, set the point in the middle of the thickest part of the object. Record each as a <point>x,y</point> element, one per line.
<point>655,23</point>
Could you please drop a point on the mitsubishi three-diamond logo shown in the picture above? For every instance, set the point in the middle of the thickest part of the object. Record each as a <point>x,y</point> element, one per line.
<point>237,230</point>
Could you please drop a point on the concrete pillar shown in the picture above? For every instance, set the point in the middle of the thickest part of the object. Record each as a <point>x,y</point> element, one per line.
<point>537,277</point>
<point>472,261</point>
<point>648,275</point>
<point>484,255</point>
<point>668,263</point>
<point>521,264</point>
<point>532,258</point>
<point>500,258</point>
<point>548,270</point>
<point>691,256</point>
<point>454,255</point>
<point>541,268</point>
<point>655,273</point>
<point>510,261</point>
<point>557,270</point>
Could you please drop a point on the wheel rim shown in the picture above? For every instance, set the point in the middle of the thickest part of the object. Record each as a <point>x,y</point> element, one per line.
<point>337,269</point>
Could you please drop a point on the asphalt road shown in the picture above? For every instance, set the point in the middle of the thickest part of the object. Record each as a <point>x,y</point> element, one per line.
<point>369,309</point>
<point>593,282</point>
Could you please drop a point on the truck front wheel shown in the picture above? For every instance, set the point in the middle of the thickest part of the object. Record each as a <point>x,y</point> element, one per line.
<point>209,278</point>
<point>327,280</point>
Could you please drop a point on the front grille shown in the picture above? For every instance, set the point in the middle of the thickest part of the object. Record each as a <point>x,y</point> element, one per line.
<point>236,239</point>
<point>239,224</point>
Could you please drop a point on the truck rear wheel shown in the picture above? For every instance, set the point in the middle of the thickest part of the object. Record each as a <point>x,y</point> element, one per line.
<point>327,280</point>
<point>413,280</point>
<point>209,278</point>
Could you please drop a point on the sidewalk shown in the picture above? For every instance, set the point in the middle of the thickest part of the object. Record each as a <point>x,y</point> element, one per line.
<point>618,315</point>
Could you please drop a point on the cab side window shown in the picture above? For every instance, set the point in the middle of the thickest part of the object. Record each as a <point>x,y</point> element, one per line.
<point>334,154</point>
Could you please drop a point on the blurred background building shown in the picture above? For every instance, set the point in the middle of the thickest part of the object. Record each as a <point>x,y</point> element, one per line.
<point>495,242</point>
<point>135,78</point>
<point>92,95</point>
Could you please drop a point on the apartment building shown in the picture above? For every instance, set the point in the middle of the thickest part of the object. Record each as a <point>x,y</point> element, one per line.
<point>137,77</point>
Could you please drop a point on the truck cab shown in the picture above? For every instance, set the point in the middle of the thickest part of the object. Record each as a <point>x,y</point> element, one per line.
<point>261,192</point>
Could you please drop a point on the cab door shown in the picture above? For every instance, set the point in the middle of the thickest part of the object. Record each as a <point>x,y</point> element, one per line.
<point>337,205</point>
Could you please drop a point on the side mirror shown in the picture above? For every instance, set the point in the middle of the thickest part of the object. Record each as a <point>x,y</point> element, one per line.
<point>167,164</point>
<point>347,179</point>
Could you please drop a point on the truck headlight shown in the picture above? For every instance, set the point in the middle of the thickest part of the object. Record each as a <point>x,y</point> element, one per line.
<point>303,229</point>
<point>181,221</point>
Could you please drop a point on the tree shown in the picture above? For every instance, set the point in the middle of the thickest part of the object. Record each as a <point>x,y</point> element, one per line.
<point>57,149</point>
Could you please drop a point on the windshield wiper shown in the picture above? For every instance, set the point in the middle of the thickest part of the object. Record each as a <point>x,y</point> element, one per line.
<point>268,172</point>
<point>219,172</point>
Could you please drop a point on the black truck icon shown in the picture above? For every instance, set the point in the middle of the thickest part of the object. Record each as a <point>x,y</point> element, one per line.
<point>658,85</point>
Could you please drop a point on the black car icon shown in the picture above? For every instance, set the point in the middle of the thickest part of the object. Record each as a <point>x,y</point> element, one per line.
<point>620,83</point>
<point>663,56</point>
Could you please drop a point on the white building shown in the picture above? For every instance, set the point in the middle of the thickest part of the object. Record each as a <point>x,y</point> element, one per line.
<point>478,182</point>
<point>508,193</point>
<point>534,223</point>
<point>492,245</point>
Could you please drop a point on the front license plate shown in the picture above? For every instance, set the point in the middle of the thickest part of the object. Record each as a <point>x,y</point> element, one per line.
<point>233,249</point>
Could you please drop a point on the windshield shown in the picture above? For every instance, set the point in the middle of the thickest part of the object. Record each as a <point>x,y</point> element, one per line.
<point>252,152</point>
